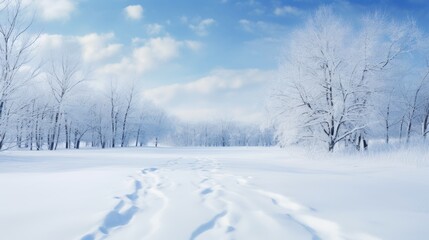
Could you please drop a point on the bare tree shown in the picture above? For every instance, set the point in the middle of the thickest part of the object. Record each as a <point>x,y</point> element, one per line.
<point>126,115</point>
<point>16,48</point>
<point>386,115</point>
<point>159,119</point>
<point>425,122</point>
<point>114,112</point>
<point>139,133</point>
<point>63,77</point>
<point>414,104</point>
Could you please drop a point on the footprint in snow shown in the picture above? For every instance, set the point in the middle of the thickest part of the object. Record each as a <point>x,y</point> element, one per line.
<point>208,225</point>
<point>147,170</point>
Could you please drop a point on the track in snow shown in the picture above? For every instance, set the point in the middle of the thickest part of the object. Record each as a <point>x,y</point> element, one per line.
<point>234,206</point>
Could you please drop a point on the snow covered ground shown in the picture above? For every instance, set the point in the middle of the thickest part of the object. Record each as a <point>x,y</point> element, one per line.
<point>213,193</point>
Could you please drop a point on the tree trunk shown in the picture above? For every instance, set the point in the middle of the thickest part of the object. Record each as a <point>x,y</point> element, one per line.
<point>425,125</point>
<point>331,146</point>
<point>387,124</point>
<point>401,128</point>
<point>365,144</point>
<point>409,127</point>
<point>58,136</point>
<point>358,143</point>
<point>52,136</point>
<point>66,128</point>
<point>137,137</point>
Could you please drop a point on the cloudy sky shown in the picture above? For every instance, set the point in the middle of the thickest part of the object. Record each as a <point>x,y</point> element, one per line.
<point>198,59</point>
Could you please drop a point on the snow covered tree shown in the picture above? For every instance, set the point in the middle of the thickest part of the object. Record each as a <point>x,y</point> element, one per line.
<point>128,109</point>
<point>330,75</point>
<point>16,48</point>
<point>63,77</point>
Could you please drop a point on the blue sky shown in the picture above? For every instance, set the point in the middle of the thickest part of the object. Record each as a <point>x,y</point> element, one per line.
<point>199,59</point>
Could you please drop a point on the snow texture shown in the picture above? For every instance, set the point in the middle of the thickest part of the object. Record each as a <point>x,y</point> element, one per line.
<point>213,193</point>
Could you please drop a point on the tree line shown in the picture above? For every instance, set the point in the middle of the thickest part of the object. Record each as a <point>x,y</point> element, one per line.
<point>52,105</point>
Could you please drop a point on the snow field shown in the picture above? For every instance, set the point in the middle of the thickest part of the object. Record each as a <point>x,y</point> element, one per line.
<point>211,193</point>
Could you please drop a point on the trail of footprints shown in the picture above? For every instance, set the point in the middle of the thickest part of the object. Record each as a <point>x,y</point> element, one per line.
<point>219,192</point>
<point>147,182</point>
<point>226,195</point>
<point>212,193</point>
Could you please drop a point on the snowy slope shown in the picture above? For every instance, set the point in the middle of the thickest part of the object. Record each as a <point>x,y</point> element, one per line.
<point>213,193</point>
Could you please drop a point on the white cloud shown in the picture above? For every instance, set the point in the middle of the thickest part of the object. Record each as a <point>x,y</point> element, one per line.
<point>236,93</point>
<point>201,27</point>
<point>263,28</point>
<point>92,47</point>
<point>184,19</point>
<point>51,10</point>
<point>217,80</point>
<point>95,47</point>
<point>137,41</point>
<point>50,41</point>
<point>246,25</point>
<point>193,45</point>
<point>155,50</point>
<point>134,12</point>
<point>54,45</point>
<point>154,29</point>
<point>150,55</point>
<point>286,10</point>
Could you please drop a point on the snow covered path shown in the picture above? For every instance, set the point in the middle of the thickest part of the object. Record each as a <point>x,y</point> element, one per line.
<point>208,194</point>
